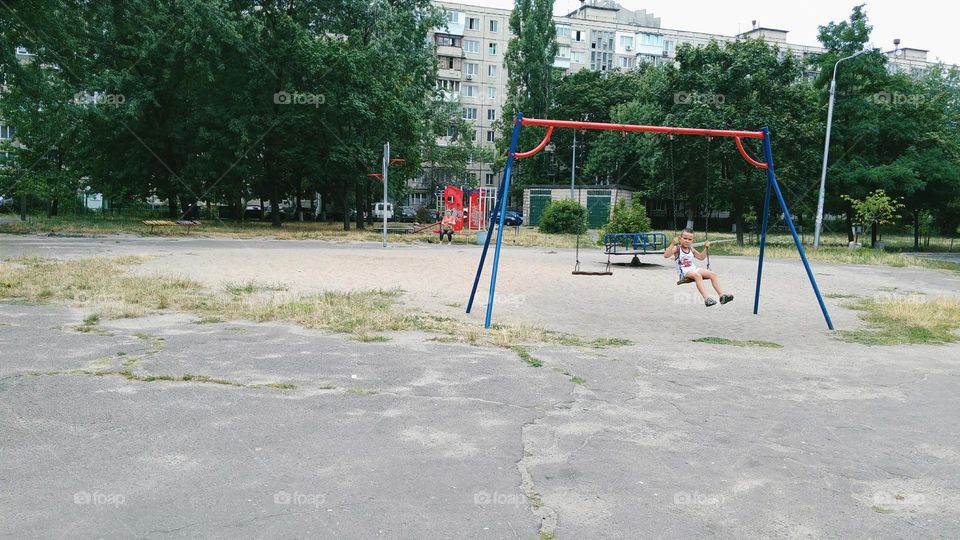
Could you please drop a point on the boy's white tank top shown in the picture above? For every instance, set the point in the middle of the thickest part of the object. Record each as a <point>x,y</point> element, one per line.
<point>685,261</point>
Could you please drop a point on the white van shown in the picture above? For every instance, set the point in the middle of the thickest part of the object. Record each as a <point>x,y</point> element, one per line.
<point>378,210</point>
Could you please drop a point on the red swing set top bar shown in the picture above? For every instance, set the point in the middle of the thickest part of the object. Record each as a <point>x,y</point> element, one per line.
<point>667,130</point>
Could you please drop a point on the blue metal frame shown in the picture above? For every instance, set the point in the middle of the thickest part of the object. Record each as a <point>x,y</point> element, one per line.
<point>635,243</point>
<point>772,183</point>
<point>772,186</point>
<point>498,207</point>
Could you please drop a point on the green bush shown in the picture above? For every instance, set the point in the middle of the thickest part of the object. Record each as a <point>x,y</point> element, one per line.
<point>625,219</point>
<point>564,216</point>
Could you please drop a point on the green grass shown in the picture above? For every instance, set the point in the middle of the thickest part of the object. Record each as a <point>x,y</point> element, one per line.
<point>362,391</point>
<point>738,342</point>
<point>282,386</point>
<point>906,321</point>
<point>835,255</point>
<point>156,342</point>
<point>881,510</point>
<point>525,355</point>
<point>368,338</point>
<point>578,380</point>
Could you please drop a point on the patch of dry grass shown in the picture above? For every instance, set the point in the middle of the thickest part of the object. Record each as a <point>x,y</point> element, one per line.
<point>110,291</point>
<point>904,321</point>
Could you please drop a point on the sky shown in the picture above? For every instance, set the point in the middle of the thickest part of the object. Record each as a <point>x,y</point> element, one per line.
<point>920,24</point>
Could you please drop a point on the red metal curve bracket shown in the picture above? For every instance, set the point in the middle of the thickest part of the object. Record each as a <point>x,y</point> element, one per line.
<point>541,146</point>
<point>746,156</point>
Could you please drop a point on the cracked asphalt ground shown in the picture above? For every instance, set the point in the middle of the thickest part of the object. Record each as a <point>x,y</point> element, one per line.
<point>414,438</point>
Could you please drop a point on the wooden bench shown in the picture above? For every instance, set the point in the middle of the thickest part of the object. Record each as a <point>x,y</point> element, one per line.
<point>154,223</point>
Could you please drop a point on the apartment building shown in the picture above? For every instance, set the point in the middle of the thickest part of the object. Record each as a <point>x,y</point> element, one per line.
<point>600,35</point>
<point>7,132</point>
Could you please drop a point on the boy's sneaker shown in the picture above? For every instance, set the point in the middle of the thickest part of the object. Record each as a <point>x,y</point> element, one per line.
<point>710,302</point>
<point>724,298</point>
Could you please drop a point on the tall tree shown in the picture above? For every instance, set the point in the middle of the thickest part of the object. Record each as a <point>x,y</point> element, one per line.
<point>529,63</point>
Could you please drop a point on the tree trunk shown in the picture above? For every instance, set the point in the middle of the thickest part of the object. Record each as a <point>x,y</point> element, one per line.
<point>873,235</point>
<point>23,207</point>
<point>738,219</point>
<point>361,206</point>
<point>299,206</point>
<point>275,204</point>
<point>53,207</point>
<point>916,229</point>
<point>172,204</point>
<point>850,237</point>
<point>346,209</point>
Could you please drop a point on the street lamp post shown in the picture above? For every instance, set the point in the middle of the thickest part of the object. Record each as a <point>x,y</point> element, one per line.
<point>826,147</point>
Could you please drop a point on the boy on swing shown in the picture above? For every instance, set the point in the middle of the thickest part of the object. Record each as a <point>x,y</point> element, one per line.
<point>683,252</point>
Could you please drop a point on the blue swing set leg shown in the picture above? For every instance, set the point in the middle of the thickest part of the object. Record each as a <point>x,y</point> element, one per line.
<point>774,186</point>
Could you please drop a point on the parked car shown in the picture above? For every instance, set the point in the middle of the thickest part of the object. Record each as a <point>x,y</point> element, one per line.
<point>6,204</point>
<point>408,214</point>
<point>378,210</point>
<point>511,218</point>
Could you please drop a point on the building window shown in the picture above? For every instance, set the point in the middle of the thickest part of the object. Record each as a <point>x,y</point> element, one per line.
<point>447,41</point>
<point>655,40</point>
<point>601,40</point>
<point>668,46</point>
<point>473,23</point>
<point>579,35</point>
<point>492,92</point>
<point>491,114</point>
<point>471,46</point>
<point>418,199</point>
<point>601,61</point>
<point>451,131</point>
<point>489,180</point>
<point>626,62</point>
<point>491,135</point>
<point>6,132</point>
<point>563,31</point>
<point>448,85</point>
<point>469,113</point>
<point>563,51</point>
<point>470,90</point>
<point>576,57</point>
<point>473,68</point>
<point>494,25</point>
<point>449,62</point>
<point>492,49</point>
<point>626,42</point>
<point>454,16</point>
<point>492,70</point>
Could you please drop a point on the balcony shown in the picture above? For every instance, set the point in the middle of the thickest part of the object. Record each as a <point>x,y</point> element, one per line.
<point>451,96</point>
<point>455,74</point>
<point>561,62</point>
<point>447,50</point>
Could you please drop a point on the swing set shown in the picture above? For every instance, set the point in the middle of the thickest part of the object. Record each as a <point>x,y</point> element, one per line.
<point>772,186</point>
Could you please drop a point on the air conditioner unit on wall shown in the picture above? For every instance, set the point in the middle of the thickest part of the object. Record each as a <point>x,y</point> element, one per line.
<point>469,77</point>
<point>629,48</point>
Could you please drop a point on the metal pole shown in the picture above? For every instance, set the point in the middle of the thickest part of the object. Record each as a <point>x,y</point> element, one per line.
<point>772,182</point>
<point>826,149</point>
<point>573,169</point>
<point>503,212</point>
<point>486,247</point>
<point>823,172</point>
<point>386,165</point>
